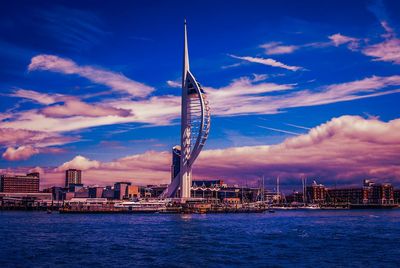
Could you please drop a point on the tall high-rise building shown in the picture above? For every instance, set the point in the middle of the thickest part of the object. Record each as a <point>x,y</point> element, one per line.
<point>195,126</point>
<point>20,183</point>
<point>73,176</point>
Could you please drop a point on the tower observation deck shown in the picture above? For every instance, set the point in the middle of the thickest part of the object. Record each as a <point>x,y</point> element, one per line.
<point>195,126</point>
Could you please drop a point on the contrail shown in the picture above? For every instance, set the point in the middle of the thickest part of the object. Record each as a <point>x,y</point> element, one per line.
<point>280,130</point>
<point>292,125</point>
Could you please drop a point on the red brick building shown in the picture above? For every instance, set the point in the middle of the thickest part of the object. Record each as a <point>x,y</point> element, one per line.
<point>20,183</point>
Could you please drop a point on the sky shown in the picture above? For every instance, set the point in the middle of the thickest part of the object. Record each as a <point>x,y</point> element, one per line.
<point>296,88</point>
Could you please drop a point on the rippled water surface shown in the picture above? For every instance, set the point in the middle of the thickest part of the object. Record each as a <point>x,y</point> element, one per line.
<point>283,239</point>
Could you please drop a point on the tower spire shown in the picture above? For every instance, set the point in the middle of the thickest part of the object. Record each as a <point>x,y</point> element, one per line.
<point>185,56</point>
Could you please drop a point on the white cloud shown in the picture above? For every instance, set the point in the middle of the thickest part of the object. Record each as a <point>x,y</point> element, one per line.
<point>116,81</point>
<point>175,83</point>
<point>76,107</point>
<point>79,162</point>
<point>268,62</point>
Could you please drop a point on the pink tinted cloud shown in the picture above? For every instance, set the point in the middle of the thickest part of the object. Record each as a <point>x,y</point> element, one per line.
<point>388,50</point>
<point>116,81</point>
<point>274,48</point>
<point>339,39</point>
<point>19,153</point>
<point>76,107</point>
<point>346,149</point>
<point>35,96</point>
<point>26,151</point>
<point>15,137</point>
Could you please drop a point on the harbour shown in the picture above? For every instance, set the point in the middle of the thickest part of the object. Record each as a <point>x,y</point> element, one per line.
<point>212,240</point>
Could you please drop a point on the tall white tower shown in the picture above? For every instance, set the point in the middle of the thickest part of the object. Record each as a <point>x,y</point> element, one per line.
<point>195,126</point>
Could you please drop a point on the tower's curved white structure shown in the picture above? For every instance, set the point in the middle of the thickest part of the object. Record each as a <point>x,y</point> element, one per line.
<point>195,126</point>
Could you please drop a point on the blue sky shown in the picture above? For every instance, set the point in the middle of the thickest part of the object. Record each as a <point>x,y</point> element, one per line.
<point>67,65</point>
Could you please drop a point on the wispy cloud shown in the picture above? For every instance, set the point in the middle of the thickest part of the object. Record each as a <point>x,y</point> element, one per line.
<point>174,83</point>
<point>35,96</point>
<point>339,39</point>
<point>76,107</point>
<point>75,29</point>
<point>389,49</point>
<point>115,81</point>
<point>275,48</point>
<point>231,65</point>
<point>268,62</point>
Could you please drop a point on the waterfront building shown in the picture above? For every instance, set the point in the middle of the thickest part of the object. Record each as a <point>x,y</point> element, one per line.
<point>82,193</point>
<point>345,196</point>
<point>58,193</point>
<point>121,190</point>
<point>96,192</point>
<point>74,187</point>
<point>69,195</point>
<point>382,194</point>
<point>73,176</point>
<point>316,193</point>
<point>396,195</point>
<point>133,191</point>
<point>108,193</point>
<point>24,200</point>
<point>20,183</point>
<point>295,197</point>
<point>153,190</point>
<point>206,188</point>
<point>195,126</point>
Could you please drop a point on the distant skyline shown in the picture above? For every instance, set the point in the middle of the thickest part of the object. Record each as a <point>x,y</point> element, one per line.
<point>297,89</point>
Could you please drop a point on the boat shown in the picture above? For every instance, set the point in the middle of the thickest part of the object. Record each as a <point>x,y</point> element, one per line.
<point>310,206</point>
<point>142,206</point>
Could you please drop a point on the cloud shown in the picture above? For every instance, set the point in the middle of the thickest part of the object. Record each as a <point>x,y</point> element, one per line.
<point>388,50</point>
<point>346,149</point>
<point>79,162</point>
<point>115,81</point>
<point>172,83</point>
<point>19,153</point>
<point>75,107</point>
<point>72,29</point>
<point>249,95</point>
<point>367,84</point>
<point>339,39</point>
<point>268,62</point>
<point>253,98</point>
<point>16,137</point>
<point>35,96</point>
<point>275,48</point>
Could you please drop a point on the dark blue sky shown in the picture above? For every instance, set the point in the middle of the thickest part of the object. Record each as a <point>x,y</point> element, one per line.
<point>331,58</point>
